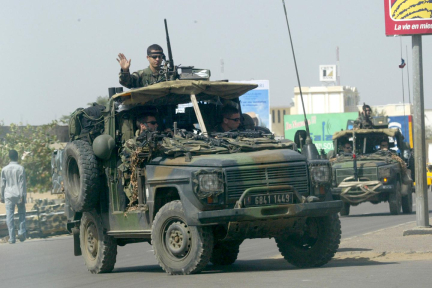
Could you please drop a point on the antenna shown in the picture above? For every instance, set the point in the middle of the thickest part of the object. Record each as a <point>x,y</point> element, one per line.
<point>309,150</point>
<point>171,69</point>
<point>298,78</point>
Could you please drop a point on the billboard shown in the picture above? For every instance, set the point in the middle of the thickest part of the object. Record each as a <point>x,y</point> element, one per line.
<point>256,102</point>
<point>327,73</point>
<point>405,124</point>
<point>407,17</point>
<point>321,127</point>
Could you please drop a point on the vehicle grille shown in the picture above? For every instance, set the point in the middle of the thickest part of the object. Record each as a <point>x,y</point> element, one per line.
<point>369,172</point>
<point>240,179</point>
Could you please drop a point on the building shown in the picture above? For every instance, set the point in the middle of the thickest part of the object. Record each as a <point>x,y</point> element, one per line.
<point>277,120</point>
<point>325,99</point>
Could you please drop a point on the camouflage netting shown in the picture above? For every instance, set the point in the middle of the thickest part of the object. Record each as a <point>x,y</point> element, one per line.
<point>132,157</point>
<point>46,218</point>
<point>134,153</point>
<point>387,156</point>
<point>349,133</point>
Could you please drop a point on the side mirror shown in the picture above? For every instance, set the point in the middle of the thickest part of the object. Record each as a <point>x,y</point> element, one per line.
<point>300,138</point>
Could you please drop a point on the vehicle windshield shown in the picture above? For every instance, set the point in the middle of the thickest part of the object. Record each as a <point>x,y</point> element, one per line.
<point>189,137</point>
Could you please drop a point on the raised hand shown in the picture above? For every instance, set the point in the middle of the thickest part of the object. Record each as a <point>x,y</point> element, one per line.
<point>124,62</point>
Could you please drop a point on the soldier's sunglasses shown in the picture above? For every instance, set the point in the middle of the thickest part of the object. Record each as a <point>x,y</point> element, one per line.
<point>233,119</point>
<point>156,56</point>
<point>152,122</point>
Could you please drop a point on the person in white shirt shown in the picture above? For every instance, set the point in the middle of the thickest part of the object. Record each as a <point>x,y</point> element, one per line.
<point>14,193</point>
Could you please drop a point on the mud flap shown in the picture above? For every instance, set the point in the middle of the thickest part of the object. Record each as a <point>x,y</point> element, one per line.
<point>406,188</point>
<point>77,247</point>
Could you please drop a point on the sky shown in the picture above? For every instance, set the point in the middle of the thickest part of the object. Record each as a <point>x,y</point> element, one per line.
<point>60,55</point>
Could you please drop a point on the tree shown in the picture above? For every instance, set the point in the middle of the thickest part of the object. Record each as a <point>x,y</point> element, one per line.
<point>33,146</point>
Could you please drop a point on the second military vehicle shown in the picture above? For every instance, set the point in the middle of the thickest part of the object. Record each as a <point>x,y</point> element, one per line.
<point>371,174</point>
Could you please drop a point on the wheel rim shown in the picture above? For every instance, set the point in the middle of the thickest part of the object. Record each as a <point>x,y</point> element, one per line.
<point>177,239</point>
<point>92,241</point>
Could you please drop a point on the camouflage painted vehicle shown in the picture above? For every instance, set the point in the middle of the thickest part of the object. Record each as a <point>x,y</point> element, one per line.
<point>370,174</point>
<point>196,195</point>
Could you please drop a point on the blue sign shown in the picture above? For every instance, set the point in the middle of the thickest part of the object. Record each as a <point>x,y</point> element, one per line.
<point>256,103</point>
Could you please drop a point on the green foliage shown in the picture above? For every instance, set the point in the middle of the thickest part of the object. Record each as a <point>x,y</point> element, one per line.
<point>34,142</point>
<point>101,100</point>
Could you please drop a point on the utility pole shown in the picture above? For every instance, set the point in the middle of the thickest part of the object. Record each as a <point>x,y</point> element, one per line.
<point>422,210</point>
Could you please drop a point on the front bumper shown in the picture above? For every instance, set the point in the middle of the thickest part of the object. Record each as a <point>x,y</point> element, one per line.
<point>383,188</point>
<point>315,209</point>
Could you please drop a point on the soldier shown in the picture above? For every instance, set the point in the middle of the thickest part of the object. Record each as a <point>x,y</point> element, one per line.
<point>142,78</point>
<point>14,192</point>
<point>147,123</point>
<point>364,120</point>
<point>347,147</point>
<point>230,119</point>
<point>384,144</point>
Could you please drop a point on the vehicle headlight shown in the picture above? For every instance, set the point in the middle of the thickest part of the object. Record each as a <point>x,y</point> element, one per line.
<point>384,172</point>
<point>320,174</point>
<point>208,183</point>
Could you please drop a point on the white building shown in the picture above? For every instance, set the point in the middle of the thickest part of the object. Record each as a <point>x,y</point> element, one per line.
<point>326,99</point>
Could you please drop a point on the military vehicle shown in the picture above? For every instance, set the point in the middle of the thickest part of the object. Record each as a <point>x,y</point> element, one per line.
<point>369,174</point>
<point>196,195</point>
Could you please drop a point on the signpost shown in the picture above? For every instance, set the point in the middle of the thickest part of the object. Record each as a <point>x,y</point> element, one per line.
<point>414,18</point>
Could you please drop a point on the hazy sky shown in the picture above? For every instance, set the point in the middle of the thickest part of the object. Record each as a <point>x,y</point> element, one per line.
<point>59,55</point>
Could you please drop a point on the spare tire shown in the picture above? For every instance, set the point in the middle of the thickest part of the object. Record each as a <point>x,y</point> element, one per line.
<point>81,174</point>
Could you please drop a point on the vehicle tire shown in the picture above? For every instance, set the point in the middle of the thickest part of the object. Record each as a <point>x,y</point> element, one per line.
<point>316,246</point>
<point>225,252</point>
<point>179,248</point>
<point>407,203</point>
<point>345,209</point>
<point>395,200</point>
<point>98,249</point>
<point>81,176</point>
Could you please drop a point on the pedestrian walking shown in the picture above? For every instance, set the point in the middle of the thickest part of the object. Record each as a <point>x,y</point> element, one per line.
<point>13,193</point>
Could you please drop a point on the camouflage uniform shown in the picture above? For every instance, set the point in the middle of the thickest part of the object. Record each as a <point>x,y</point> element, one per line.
<point>141,78</point>
<point>363,122</point>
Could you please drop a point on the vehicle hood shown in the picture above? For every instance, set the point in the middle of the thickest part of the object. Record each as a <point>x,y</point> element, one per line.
<point>233,159</point>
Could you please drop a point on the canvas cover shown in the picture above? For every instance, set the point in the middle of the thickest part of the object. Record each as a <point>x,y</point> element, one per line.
<point>179,91</point>
<point>386,131</point>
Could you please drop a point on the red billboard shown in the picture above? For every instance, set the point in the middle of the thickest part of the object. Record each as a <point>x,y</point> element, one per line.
<point>408,17</point>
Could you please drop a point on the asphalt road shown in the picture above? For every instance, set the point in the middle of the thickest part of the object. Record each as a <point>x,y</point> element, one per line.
<point>50,263</point>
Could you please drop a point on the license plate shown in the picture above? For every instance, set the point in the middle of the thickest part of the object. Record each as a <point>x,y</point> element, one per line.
<point>269,199</point>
